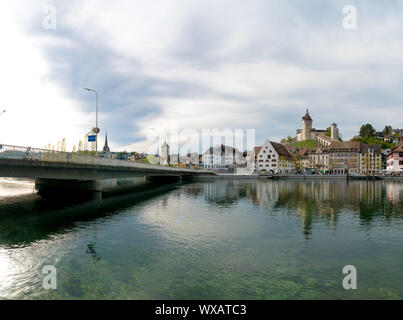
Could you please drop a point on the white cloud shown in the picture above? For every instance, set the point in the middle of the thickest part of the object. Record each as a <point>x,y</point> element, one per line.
<point>38,111</point>
<point>255,64</point>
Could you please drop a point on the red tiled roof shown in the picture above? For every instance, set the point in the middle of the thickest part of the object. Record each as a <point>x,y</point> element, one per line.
<point>281,150</point>
<point>345,146</point>
<point>256,150</point>
<point>325,137</point>
<point>398,148</point>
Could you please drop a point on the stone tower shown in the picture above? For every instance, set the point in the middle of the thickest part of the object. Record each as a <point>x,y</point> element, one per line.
<point>334,132</point>
<point>164,157</point>
<point>306,126</point>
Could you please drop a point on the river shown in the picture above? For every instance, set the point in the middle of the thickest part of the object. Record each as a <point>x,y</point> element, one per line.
<point>221,239</point>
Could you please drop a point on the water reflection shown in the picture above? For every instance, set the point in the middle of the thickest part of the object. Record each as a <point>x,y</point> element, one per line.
<point>231,239</point>
<point>28,218</point>
<point>312,199</point>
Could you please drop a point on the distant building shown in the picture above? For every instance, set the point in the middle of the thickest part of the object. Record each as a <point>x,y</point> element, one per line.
<point>191,159</point>
<point>309,133</point>
<point>317,158</point>
<point>344,157</point>
<point>394,161</point>
<point>370,158</point>
<point>354,157</point>
<point>223,158</point>
<point>271,157</point>
<point>398,131</point>
<point>164,157</point>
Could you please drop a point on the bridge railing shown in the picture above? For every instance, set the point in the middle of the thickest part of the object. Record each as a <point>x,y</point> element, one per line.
<point>79,157</point>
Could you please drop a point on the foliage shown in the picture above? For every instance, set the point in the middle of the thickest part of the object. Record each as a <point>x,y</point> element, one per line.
<point>373,140</point>
<point>286,140</point>
<point>367,131</point>
<point>310,144</point>
<point>387,131</point>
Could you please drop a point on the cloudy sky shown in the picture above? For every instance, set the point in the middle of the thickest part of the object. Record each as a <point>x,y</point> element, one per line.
<point>195,64</point>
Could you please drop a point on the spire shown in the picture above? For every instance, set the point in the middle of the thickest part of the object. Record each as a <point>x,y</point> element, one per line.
<point>307,116</point>
<point>106,147</point>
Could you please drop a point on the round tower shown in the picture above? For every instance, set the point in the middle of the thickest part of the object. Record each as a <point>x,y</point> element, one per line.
<point>334,132</point>
<point>306,126</point>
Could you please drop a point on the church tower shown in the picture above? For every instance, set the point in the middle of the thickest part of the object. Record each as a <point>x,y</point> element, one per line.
<point>306,126</point>
<point>106,147</point>
<point>334,132</point>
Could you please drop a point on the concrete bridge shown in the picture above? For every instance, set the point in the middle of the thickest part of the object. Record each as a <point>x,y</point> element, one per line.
<point>83,171</point>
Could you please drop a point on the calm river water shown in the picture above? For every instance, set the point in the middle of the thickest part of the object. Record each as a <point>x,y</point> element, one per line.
<point>224,239</point>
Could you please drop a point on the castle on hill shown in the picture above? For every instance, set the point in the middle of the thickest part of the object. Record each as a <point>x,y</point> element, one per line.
<point>309,133</point>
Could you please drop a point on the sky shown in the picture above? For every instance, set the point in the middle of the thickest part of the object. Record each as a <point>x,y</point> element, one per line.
<point>222,64</point>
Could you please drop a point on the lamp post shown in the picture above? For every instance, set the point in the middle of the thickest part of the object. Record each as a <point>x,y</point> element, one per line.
<point>96,130</point>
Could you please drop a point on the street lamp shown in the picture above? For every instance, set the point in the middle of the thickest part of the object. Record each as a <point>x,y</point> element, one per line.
<point>96,131</point>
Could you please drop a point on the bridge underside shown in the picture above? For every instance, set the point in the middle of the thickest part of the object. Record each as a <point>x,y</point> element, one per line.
<point>96,188</point>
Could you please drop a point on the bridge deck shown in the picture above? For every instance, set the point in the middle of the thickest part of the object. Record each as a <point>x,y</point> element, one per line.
<point>25,162</point>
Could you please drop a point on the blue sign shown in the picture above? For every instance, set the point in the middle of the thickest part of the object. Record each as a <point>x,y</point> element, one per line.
<point>92,138</point>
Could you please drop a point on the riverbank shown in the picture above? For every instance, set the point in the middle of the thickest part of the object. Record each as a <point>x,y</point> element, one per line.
<point>290,176</point>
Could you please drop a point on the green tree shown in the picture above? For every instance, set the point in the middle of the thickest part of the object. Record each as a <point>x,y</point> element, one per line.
<point>387,131</point>
<point>297,159</point>
<point>367,131</point>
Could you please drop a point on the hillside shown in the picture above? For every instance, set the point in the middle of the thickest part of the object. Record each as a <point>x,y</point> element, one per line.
<point>310,144</point>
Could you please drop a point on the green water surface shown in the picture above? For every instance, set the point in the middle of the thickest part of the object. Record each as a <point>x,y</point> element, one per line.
<point>224,239</point>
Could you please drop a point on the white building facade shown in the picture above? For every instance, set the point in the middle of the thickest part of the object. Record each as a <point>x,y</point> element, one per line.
<point>271,157</point>
<point>222,158</point>
<point>394,161</point>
